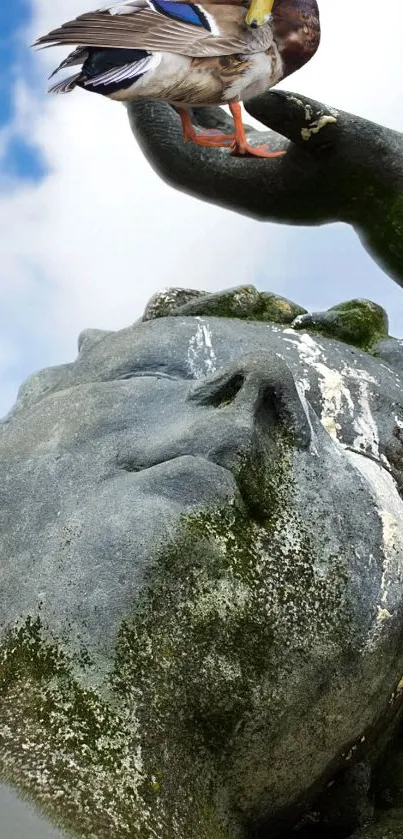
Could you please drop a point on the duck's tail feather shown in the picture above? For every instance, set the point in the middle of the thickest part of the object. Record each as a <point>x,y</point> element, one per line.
<point>103,70</point>
<point>78,56</point>
<point>67,85</point>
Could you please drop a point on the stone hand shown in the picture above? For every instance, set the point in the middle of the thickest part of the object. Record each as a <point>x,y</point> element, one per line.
<point>338,167</point>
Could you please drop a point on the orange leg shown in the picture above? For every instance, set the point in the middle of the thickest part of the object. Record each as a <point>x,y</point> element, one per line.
<point>241,145</point>
<point>209,138</point>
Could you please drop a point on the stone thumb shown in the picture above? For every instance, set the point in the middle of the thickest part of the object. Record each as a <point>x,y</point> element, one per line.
<point>310,125</point>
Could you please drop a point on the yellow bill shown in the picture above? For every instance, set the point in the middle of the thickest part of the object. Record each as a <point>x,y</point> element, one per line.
<point>259,12</point>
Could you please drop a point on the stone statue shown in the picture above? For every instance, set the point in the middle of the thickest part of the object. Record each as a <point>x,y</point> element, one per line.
<point>338,167</point>
<point>201,561</point>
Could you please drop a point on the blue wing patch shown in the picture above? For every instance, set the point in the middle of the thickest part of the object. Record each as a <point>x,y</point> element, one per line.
<point>185,12</point>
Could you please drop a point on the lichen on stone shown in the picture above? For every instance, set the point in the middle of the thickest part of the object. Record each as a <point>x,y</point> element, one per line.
<point>63,746</point>
<point>146,755</point>
<point>165,303</point>
<point>244,302</point>
<point>359,323</point>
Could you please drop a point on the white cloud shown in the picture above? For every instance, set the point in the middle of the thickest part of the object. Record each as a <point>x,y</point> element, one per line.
<point>89,244</point>
<point>358,67</point>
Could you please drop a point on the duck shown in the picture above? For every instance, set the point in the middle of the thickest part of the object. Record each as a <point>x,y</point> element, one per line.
<point>219,52</point>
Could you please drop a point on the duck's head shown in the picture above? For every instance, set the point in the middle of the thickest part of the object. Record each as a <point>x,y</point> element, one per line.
<point>296,28</point>
<point>259,12</point>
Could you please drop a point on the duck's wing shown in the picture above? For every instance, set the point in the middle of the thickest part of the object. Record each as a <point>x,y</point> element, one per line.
<point>192,29</point>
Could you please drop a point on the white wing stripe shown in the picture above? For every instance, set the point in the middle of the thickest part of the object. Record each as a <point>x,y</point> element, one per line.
<point>126,71</point>
<point>210,20</point>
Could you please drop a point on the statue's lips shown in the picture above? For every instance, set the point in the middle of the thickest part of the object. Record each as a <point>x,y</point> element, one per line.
<point>189,480</point>
<point>176,459</point>
<point>206,474</point>
<point>199,481</point>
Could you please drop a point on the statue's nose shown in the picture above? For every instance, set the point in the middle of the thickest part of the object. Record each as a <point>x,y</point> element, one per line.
<point>259,386</point>
<point>261,424</point>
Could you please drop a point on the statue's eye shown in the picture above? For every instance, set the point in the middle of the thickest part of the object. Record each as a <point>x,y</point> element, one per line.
<point>227,391</point>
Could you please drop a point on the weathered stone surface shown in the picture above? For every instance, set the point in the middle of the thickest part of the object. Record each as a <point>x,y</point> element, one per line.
<point>167,302</point>
<point>357,322</point>
<point>344,805</point>
<point>390,349</point>
<point>244,302</point>
<point>388,825</point>
<point>201,567</point>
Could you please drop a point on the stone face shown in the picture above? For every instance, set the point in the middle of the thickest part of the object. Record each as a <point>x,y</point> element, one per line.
<point>201,567</point>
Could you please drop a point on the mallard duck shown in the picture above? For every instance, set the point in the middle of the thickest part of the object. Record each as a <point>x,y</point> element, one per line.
<point>189,54</point>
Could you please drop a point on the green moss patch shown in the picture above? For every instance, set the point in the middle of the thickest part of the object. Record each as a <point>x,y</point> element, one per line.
<point>150,754</point>
<point>245,303</point>
<point>359,323</point>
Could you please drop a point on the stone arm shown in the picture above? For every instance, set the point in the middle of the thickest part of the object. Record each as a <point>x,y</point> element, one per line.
<point>338,168</point>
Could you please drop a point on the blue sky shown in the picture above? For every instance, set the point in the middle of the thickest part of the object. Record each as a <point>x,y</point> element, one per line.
<point>11,17</point>
<point>89,232</point>
<point>21,158</point>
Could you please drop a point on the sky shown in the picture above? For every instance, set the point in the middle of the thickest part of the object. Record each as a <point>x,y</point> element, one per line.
<point>88,231</point>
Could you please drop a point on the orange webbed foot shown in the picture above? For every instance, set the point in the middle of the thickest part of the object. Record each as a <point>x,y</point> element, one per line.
<point>241,146</point>
<point>237,142</point>
<point>244,149</point>
<point>209,138</point>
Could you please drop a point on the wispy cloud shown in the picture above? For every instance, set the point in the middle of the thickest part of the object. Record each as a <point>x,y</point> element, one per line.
<point>92,233</point>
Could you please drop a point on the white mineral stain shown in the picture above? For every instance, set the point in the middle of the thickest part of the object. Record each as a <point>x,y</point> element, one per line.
<point>302,387</point>
<point>367,431</point>
<point>336,394</point>
<point>292,98</point>
<point>389,506</point>
<point>390,529</point>
<point>201,358</point>
<point>383,614</point>
<point>317,125</point>
<point>338,397</point>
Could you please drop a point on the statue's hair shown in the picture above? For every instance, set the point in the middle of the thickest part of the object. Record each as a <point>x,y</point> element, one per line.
<point>360,323</point>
